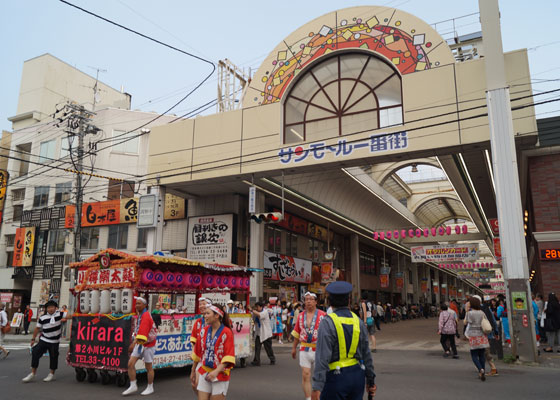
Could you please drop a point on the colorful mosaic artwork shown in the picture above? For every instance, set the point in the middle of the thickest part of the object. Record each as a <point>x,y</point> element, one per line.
<point>407,51</point>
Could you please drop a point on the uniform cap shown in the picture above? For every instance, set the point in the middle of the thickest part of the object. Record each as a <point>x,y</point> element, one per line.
<point>339,288</point>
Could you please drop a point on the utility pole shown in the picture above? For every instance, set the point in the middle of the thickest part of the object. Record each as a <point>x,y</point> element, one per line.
<point>508,200</point>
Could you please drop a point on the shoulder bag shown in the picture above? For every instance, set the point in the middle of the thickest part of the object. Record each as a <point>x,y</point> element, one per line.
<point>486,325</point>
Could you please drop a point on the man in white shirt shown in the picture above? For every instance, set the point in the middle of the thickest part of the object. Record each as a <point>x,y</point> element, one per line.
<point>3,322</point>
<point>263,332</point>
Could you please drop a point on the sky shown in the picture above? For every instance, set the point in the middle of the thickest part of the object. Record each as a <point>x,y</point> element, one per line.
<point>242,31</point>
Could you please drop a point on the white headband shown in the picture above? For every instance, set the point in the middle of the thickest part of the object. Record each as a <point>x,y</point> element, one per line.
<point>216,310</point>
<point>309,294</point>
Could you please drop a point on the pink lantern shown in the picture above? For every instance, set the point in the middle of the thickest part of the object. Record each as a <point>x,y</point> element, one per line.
<point>208,281</point>
<point>448,230</point>
<point>411,233</point>
<point>433,231</point>
<point>457,229</point>
<point>147,277</point>
<point>465,229</point>
<point>187,280</point>
<point>418,232</point>
<point>169,279</point>
<point>195,280</point>
<point>178,279</point>
<point>218,281</point>
<point>441,231</point>
<point>388,235</point>
<point>381,235</point>
<point>246,282</point>
<point>426,232</point>
<point>159,278</point>
<point>403,233</point>
<point>241,282</point>
<point>375,236</point>
<point>396,234</point>
<point>225,282</point>
<point>233,281</point>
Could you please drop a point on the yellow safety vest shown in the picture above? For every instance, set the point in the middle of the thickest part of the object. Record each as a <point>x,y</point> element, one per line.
<point>346,358</point>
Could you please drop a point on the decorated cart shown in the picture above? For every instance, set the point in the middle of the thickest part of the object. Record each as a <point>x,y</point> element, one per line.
<point>104,318</point>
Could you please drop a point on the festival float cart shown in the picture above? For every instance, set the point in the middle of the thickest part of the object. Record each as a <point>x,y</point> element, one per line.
<point>104,319</point>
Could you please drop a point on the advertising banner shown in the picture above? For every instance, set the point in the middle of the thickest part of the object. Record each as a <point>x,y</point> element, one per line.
<point>241,327</point>
<point>497,250</point>
<point>279,267</point>
<point>424,286</point>
<point>400,283</point>
<point>327,272</point>
<point>4,175</point>
<point>6,297</point>
<point>23,247</point>
<point>173,345</point>
<point>384,281</point>
<point>445,252</point>
<point>99,342</point>
<point>210,238</point>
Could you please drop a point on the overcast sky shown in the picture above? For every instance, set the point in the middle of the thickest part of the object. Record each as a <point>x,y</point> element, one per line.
<point>242,31</point>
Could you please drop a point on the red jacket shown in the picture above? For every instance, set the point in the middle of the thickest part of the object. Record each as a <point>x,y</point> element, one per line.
<point>224,352</point>
<point>146,328</point>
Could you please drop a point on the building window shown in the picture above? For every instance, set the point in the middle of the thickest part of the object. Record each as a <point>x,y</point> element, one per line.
<point>65,146</point>
<point>47,151</point>
<point>118,236</point>
<point>10,240</point>
<point>344,94</point>
<point>18,194</point>
<point>41,198</point>
<point>10,258</point>
<point>90,238</point>
<point>142,241</point>
<point>125,142</point>
<point>57,240</point>
<point>18,211</point>
<point>63,192</point>
<point>367,264</point>
<point>120,190</point>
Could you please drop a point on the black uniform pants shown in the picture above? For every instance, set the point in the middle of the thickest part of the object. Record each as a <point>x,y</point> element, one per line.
<point>349,384</point>
<point>26,326</point>
<point>39,349</point>
<point>267,347</point>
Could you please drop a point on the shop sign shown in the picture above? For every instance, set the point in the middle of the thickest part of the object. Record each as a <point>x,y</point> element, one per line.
<point>317,232</point>
<point>174,207</point>
<point>327,272</point>
<point>6,297</point>
<point>4,175</point>
<point>293,223</point>
<point>494,226</point>
<point>99,342</point>
<point>210,238</point>
<point>23,247</point>
<point>95,278</point>
<point>279,267</point>
<point>384,281</point>
<point>445,252</point>
<point>173,345</point>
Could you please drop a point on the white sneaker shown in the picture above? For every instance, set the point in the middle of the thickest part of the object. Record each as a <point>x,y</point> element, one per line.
<point>149,390</point>
<point>28,378</point>
<point>130,390</point>
<point>49,378</point>
<point>280,342</point>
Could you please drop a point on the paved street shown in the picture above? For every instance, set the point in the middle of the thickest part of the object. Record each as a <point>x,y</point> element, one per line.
<point>408,364</point>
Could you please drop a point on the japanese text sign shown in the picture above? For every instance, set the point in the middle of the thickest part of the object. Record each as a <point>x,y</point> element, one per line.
<point>3,185</point>
<point>210,238</point>
<point>446,252</point>
<point>279,267</point>
<point>117,277</point>
<point>23,247</point>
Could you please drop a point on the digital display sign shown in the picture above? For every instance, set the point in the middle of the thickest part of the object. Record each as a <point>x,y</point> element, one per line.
<point>550,254</point>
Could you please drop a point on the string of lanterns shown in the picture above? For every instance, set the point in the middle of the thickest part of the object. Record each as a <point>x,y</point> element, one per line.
<point>466,266</point>
<point>426,232</point>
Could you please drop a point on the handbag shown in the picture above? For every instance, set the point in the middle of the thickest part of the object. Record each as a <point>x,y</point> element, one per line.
<point>486,326</point>
<point>369,321</point>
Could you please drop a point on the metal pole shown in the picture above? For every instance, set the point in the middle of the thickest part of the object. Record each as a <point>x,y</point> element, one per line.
<point>508,200</point>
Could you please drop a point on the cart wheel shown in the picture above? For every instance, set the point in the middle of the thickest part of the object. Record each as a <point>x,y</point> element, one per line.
<point>80,374</point>
<point>242,363</point>
<point>92,375</point>
<point>122,379</point>
<point>105,377</point>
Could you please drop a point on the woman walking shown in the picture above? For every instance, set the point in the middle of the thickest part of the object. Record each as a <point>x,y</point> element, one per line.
<point>478,341</point>
<point>447,327</point>
<point>216,354</point>
<point>552,323</point>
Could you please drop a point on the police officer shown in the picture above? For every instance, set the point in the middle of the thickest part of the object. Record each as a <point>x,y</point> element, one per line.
<point>343,363</point>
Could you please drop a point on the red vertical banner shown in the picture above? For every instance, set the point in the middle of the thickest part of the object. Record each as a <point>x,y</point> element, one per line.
<point>384,281</point>
<point>399,283</point>
<point>424,285</point>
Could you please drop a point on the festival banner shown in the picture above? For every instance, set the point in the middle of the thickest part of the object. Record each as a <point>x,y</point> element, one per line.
<point>23,247</point>
<point>424,285</point>
<point>241,327</point>
<point>279,267</point>
<point>99,342</point>
<point>497,250</point>
<point>445,252</point>
<point>210,238</point>
<point>384,281</point>
<point>4,176</point>
<point>435,287</point>
<point>443,291</point>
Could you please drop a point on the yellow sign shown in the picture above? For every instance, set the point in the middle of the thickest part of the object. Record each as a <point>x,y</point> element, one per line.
<point>23,247</point>
<point>3,185</point>
<point>174,207</point>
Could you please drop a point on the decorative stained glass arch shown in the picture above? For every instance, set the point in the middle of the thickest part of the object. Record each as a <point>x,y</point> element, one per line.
<point>344,94</point>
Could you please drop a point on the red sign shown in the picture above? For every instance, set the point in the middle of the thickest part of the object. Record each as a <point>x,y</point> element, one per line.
<point>494,226</point>
<point>443,291</point>
<point>293,223</point>
<point>95,214</point>
<point>400,283</point>
<point>498,250</point>
<point>384,281</point>
<point>424,286</point>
